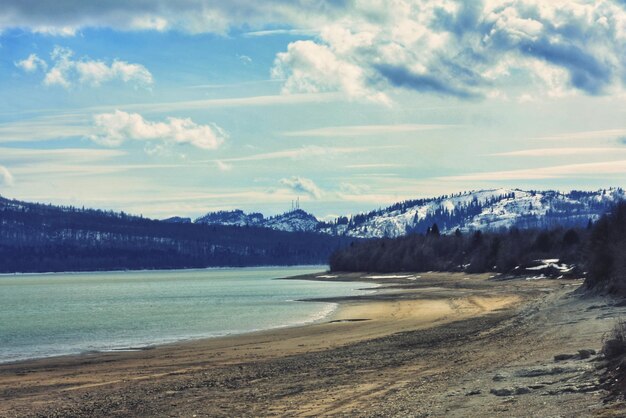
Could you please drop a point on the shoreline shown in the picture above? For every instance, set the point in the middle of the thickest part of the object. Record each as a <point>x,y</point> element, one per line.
<point>343,306</point>
<point>46,273</point>
<point>326,313</point>
<point>367,356</point>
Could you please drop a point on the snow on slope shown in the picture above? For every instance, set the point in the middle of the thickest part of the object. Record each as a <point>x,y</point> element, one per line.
<point>295,220</point>
<point>292,221</point>
<point>234,217</point>
<point>484,209</point>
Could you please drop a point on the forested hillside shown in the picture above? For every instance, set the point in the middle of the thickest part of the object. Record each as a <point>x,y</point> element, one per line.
<point>37,238</point>
<point>597,252</point>
<point>485,210</point>
<point>513,251</point>
<point>607,253</point>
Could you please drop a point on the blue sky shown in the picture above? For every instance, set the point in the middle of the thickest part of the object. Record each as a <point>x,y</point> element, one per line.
<point>181,107</point>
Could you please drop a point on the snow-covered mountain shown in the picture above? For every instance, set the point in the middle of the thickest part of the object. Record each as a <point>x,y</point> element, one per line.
<point>484,210</point>
<point>233,217</point>
<point>293,221</point>
<point>177,220</point>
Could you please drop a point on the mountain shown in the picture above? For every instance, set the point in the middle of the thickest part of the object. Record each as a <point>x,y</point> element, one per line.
<point>480,210</point>
<point>476,210</point>
<point>295,220</point>
<point>234,217</point>
<point>177,220</point>
<point>40,238</point>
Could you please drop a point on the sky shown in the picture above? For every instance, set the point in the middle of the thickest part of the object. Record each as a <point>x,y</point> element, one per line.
<point>180,107</point>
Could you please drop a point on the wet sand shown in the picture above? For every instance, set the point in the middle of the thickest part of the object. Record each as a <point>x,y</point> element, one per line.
<point>435,345</point>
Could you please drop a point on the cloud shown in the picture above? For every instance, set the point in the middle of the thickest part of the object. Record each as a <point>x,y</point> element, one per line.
<point>274,100</point>
<point>551,152</point>
<point>366,50</point>
<point>6,178</point>
<point>402,77</point>
<point>465,50</point>
<point>32,63</point>
<point>581,135</point>
<point>201,16</point>
<point>96,72</point>
<point>374,165</point>
<point>309,67</point>
<point>76,123</point>
<point>302,185</point>
<point>112,129</point>
<point>244,59</point>
<point>274,32</point>
<point>361,130</point>
<point>541,173</point>
<point>43,128</point>
<point>66,71</point>
<point>222,166</point>
<point>306,153</point>
<point>30,155</point>
<point>353,189</point>
<point>63,31</point>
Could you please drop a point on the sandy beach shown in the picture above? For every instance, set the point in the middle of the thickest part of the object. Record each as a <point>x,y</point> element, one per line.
<point>435,344</point>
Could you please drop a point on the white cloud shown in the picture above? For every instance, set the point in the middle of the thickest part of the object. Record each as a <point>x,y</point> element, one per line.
<point>309,67</point>
<point>76,123</point>
<point>275,100</point>
<point>353,189</point>
<point>65,70</point>
<point>552,152</point>
<point>273,32</point>
<point>374,165</point>
<point>361,130</point>
<point>113,129</point>
<point>43,128</point>
<point>244,59</point>
<point>6,178</point>
<point>368,49</point>
<point>463,49</point>
<point>32,63</point>
<point>222,166</point>
<point>302,185</point>
<point>29,155</point>
<point>601,134</point>
<point>306,153</point>
<point>97,72</point>
<point>561,171</point>
<point>62,31</point>
<point>58,74</point>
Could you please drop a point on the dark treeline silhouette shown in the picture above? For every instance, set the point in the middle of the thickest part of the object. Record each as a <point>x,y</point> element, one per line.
<point>606,263</point>
<point>474,252</point>
<point>37,238</point>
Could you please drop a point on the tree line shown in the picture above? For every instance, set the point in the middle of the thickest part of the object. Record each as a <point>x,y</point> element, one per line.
<point>474,252</point>
<point>597,251</point>
<point>42,238</point>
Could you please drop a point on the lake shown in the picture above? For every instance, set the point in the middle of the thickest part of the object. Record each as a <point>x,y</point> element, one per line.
<point>44,315</point>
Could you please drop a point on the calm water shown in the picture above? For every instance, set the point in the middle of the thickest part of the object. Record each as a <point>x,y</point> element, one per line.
<point>54,314</point>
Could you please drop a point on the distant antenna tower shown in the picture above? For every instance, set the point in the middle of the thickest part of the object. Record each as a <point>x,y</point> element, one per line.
<point>295,204</point>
